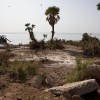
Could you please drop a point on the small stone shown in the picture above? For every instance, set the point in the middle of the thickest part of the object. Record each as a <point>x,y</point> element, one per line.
<point>19,98</point>
<point>77,97</point>
<point>36,81</point>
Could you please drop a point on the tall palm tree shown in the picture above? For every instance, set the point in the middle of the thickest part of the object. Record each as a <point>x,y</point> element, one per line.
<point>30,30</point>
<point>52,14</point>
<point>98,6</point>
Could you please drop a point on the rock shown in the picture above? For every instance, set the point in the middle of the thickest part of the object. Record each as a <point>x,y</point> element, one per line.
<point>36,81</point>
<point>76,88</point>
<point>94,71</point>
<point>97,62</point>
<point>49,80</point>
<point>19,98</point>
<point>77,97</point>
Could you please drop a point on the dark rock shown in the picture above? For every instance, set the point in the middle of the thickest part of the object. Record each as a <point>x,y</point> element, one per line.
<point>19,98</point>
<point>94,71</point>
<point>36,81</point>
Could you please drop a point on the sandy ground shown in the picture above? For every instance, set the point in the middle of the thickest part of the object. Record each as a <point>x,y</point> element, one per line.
<point>62,63</point>
<point>57,64</point>
<point>60,57</point>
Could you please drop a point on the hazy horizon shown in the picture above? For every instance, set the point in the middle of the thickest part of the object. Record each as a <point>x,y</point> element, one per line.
<point>46,33</point>
<point>77,16</point>
<point>17,38</point>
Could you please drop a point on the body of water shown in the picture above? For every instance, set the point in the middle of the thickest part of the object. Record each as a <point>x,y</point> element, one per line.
<point>24,38</point>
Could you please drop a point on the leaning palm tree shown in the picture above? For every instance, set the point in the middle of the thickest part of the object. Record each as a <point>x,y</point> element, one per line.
<point>52,14</point>
<point>98,6</point>
<point>30,30</point>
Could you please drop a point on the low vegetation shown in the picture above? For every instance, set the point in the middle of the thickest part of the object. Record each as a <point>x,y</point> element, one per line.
<point>4,58</point>
<point>17,70</point>
<point>23,70</point>
<point>57,44</point>
<point>90,45</point>
<point>79,73</point>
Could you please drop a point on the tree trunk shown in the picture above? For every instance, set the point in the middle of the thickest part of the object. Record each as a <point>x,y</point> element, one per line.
<point>52,33</point>
<point>32,37</point>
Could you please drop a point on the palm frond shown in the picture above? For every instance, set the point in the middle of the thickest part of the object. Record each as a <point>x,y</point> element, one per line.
<point>33,25</point>
<point>47,18</point>
<point>52,10</point>
<point>58,16</point>
<point>27,24</point>
<point>98,6</point>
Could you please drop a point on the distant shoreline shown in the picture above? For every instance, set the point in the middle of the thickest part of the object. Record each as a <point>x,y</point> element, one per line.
<point>23,37</point>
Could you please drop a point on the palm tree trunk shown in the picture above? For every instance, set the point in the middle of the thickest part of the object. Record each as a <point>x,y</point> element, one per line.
<point>32,37</point>
<point>52,33</point>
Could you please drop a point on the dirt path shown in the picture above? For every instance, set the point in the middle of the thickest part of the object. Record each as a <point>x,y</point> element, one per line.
<point>60,57</point>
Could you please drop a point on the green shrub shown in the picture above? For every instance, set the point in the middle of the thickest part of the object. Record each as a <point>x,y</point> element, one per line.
<point>31,70</point>
<point>57,44</point>
<point>37,45</point>
<point>79,72</point>
<point>90,45</point>
<point>22,74</point>
<point>74,43</point>
<point>85,37</point>
<point>18,72</point>
<point>4,58</point>
<point>22,70</point>
<point>4,61</point>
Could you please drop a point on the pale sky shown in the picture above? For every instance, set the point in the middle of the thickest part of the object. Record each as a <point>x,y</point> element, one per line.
<point>77,16</point>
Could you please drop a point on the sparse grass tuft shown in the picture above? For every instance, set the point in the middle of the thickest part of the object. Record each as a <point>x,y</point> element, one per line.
<point>31,69</point>
<point>4,58</point>
<point>22,70</point>
<point>21,73</point>
<point>79,73</point>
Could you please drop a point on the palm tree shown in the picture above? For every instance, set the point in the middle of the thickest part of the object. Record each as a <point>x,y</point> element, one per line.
<point>30,30</point>
<point>45,36</point>
<point>52,14</point>
<point>98,6</point>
